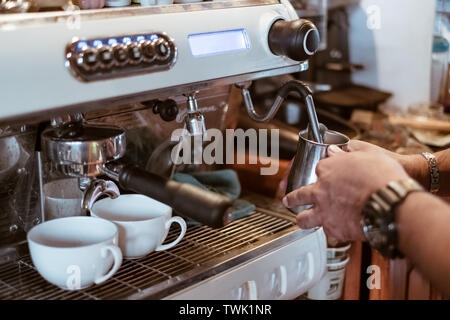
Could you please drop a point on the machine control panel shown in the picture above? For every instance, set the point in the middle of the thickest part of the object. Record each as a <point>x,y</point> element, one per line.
<point>107,58</point>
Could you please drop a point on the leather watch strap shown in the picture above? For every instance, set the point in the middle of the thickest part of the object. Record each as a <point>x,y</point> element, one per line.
<point>379,217</point>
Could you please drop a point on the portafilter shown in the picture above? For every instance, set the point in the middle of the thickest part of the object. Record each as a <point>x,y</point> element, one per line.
<point>83,150</point>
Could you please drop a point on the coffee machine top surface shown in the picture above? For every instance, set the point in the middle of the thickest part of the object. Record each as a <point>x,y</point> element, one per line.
<point>76,61</point>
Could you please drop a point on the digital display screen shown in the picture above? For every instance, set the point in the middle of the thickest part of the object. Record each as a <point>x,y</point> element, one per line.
<point>205,44</point>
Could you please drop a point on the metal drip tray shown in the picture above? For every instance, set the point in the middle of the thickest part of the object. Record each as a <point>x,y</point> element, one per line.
<point>202,253</point>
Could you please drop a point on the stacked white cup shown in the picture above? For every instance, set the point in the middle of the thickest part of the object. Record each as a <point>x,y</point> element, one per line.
<point>332,283</point>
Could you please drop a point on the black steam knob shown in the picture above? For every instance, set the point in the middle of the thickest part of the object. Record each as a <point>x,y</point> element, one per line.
<point>297,39</point>
<point>167,109</point>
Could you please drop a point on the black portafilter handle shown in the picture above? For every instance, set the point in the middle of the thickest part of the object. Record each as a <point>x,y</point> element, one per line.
<point>296,39</point>
<point>204,206</point>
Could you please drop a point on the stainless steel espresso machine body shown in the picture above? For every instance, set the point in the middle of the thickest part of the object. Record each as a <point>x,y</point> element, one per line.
<point>130,73</point>
<point>199,35</point>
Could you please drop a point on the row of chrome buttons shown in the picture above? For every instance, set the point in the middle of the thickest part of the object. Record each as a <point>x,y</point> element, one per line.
<point>104,57</point>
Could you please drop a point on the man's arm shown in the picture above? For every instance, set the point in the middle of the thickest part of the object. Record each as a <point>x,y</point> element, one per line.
<point>415,165</point>
<point>345,183</point>
<point>423,224</point>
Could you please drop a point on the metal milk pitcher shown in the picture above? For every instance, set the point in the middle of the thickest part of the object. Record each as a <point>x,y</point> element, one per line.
<point>309,152</point>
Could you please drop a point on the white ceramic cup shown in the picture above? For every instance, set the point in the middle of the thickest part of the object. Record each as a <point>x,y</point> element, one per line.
<point>337,254</point>
<point>142,221</point>
<point>332,283</point>
<point>75,252</point>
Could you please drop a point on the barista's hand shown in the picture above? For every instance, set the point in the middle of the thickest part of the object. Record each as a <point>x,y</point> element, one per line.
<point>345,182</point>
<point>358,145</point>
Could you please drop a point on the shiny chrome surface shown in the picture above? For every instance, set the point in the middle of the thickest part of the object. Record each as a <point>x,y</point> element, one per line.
<point>203,252</point>
<point>195,121</point>
<point>96,189</point>
<point>67,118</point>
<point>14,6</point>
<point>250,107</point>
<point>117,69</point>
<point>287,87</point>
<point>8,130</point>
<point>303,171</point>
<point>313,121</point>
<point>82,149</point>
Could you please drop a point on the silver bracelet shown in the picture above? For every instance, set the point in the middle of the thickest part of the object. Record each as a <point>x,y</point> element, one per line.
<point>434,171</point>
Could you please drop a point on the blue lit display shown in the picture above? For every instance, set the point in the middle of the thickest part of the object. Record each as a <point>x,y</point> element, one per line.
<point>126,39</point>
<point>153,37</point>
<point>205,44</point>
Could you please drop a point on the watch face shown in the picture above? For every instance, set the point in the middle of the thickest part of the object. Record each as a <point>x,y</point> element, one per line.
<point>374,225</point>
<point>374,235</point>
<point>378,222</point>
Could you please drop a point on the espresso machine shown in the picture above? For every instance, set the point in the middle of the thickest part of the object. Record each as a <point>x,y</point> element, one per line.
<point>93,95</point>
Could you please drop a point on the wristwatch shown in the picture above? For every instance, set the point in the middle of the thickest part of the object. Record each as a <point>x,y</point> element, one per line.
<point>378,216</point>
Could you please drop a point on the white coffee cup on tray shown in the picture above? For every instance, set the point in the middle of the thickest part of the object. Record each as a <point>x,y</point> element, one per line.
<point>75,252</point>
<point>143,223</point>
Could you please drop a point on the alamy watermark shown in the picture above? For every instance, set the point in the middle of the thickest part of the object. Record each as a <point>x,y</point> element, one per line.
<point>229,147</point>
<point>73,21</point>
<point>73,281</point>
<point>374,280</point>
<point>373,17</point>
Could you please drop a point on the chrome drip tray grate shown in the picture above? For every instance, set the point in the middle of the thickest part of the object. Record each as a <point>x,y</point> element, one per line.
<point>200,246</point>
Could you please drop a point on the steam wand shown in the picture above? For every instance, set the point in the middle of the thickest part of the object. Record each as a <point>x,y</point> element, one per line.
<point>290,86</point>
